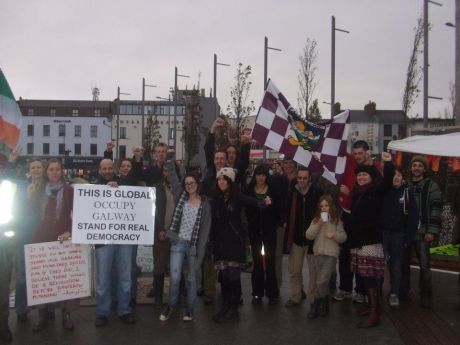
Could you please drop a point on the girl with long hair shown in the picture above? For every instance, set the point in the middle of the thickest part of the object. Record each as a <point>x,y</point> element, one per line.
<point>327,231</point>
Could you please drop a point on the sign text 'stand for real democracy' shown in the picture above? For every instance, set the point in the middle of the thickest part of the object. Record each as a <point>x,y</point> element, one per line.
<point>57,272</point>
<point>107,215</point>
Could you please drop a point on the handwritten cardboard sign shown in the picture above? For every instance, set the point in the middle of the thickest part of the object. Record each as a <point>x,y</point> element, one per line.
<point>107,215</point>
<point>57,272</point>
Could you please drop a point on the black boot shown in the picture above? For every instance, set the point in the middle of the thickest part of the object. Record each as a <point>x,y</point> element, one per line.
<point>226,296</point>
<point>158,289</point>
<point>323,308</point>
<point>313,313</point>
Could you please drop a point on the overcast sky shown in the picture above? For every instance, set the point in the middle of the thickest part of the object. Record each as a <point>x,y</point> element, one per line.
<point>59,49</point>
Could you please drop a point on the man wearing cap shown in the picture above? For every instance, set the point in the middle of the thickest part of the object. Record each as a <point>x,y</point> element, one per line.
<point>428,198</point>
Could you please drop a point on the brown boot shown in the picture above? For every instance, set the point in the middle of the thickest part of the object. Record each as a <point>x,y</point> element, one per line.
<point>374,303</point>
<point>42,322</point>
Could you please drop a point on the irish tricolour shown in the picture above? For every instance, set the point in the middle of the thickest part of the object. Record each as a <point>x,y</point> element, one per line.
<point>10,115</point>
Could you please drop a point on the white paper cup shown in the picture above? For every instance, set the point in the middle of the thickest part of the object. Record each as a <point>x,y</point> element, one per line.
<point>325,216</point>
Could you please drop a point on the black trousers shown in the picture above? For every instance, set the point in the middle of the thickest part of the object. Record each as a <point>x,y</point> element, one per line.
<point>264,281</point>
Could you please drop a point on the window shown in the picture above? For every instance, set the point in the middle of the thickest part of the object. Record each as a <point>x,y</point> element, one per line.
<point>53,112</point>
<point>387,131</point>
<point>61,130</point>
<point>97,112</point>
<point>171,133</point>
<point>77,149</point>
<point>93,131</point>
<point>122,151</point>
<point>46,130</point>
<point>122,132</point>
<point>30,148</point>
<point>61,149</point>
<point>93,149</point>
<point>77,130</point>
<point>74,112</point>
<point>30,111</point>
<point>402,131</point>
<point>30,130</point>
<point>46,148</point>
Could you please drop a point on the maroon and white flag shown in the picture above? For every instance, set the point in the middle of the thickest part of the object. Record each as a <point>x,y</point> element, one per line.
<point>321,147</point>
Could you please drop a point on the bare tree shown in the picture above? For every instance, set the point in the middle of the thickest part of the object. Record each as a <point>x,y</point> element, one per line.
<point>414,70</point>
<point>240,107</point>
<point>307,76</point>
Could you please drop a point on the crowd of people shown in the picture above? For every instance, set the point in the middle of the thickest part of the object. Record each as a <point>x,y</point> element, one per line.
<point>205,226</point>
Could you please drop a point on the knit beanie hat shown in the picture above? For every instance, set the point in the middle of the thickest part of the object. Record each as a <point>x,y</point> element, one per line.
<point>420,159</point>
<point>369,169</point>
<point>229,172</point>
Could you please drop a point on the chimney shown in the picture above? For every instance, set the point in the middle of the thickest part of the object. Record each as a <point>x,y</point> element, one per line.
<point>371,108</point>
<point>337,109</point>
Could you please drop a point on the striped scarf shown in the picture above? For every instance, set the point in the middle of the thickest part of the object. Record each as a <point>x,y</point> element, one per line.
<point>177,217</point>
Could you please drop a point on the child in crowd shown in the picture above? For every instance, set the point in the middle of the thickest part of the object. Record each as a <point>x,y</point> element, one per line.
<point>327,231</point>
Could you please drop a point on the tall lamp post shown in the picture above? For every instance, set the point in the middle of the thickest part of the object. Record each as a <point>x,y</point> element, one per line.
<point>266,48</point>
<point>456,109</point>
<point>176,75</point>
<point>118,119</point>
<point>215,80</point>
<point>425,60</point>
<point>333,30</point>
<point>144,85</point>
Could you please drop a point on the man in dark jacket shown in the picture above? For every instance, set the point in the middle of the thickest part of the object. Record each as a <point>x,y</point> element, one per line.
<point>303,201</point>
<point>428,198</point>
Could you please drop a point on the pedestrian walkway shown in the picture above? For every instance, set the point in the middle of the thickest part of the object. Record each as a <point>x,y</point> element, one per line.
<point>267,325</point>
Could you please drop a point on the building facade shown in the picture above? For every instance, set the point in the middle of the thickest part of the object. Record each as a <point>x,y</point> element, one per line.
<point>76,131</point>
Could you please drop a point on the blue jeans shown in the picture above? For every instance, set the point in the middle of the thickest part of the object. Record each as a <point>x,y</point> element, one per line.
<point>393,246</point>
<point>105,257</point>
<point>180,250</point>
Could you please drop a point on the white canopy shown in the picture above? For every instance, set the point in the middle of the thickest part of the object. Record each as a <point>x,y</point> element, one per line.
<point>447,145</point>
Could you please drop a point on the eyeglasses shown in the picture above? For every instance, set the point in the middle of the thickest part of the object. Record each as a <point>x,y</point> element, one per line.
<point>189,184</point>
<point>302,178</point>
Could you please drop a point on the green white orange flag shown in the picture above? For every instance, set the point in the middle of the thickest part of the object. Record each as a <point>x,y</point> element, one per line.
<point>10,115</point>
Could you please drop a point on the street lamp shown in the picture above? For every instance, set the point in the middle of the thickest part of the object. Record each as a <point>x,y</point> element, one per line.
<point>333,30</point>
<point>144,85</point>
<point>118,118</point>
<point>456,109</point>
<point>175,102</point>
<point>215,79</point>
<point>425,59</point>
<point>266,48</point>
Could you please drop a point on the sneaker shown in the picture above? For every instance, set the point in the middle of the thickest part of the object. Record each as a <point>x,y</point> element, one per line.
<point>188,316</point>
<point>341,295</point>
<point>101,321</point>
<point>393,300</point>
<point>166,314</point>
<point>359,298</point>
<point>257,300</point>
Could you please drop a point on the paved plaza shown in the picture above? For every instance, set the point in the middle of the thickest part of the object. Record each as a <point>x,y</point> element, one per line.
<point>266,325</point>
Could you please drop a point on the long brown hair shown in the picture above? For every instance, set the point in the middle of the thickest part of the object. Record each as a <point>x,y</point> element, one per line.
<point>333,210</point>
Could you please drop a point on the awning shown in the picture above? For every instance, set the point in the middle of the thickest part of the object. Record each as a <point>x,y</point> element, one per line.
<point>447,145</point>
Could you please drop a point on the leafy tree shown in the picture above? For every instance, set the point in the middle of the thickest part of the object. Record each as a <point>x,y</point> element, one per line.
<point>152,135</point>
<point>414,70</point>
<point>240,107</point>
<point>307,78</point>
<point>192,125</point>
<point>314,114</point>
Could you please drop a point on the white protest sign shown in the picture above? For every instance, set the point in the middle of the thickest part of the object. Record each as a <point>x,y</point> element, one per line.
<point>107,215</point>
<point>57,272</point>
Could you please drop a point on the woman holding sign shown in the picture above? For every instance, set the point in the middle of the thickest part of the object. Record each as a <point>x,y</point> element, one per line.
<point>188,234</point>
<point>53,202</point>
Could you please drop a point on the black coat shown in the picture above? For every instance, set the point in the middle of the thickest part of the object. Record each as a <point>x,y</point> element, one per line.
<point>263,221</point>
<point>228,233</point>
<point>365,216</point>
